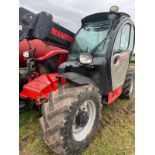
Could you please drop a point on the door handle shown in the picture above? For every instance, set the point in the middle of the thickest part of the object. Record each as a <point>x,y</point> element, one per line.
<point>116,59</point>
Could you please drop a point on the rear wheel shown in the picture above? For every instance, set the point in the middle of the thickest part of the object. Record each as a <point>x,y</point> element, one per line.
<point>128,85</point>
<point>70,118</point>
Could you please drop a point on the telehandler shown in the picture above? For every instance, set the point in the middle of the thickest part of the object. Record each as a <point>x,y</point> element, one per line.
<point>96,72</point>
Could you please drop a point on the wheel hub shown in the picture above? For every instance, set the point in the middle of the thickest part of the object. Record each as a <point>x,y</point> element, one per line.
<point>82,118</point>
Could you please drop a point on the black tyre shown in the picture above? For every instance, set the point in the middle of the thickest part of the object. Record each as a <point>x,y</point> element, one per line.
<point>71,110</point>
<point>128,85</point>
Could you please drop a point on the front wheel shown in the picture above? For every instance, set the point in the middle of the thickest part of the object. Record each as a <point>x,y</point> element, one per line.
<point>70,118</point>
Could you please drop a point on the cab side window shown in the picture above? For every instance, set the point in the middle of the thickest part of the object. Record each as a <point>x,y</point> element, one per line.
<point>122,39</point>
<point>132,39</point>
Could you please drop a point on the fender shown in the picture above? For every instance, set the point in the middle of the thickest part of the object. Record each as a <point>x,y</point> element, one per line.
<point>53,53</point>
<point>76,78</point>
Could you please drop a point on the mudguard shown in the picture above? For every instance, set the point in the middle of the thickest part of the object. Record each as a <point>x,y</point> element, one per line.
<point>76,78</point>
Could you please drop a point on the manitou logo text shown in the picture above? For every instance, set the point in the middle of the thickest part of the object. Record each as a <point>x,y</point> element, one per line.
<point>61,35</point>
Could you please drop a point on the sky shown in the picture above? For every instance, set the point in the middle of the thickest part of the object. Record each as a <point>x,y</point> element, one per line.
<point>69,13</point>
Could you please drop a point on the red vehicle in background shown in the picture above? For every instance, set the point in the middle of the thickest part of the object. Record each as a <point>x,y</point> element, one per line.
<point>43,45</point>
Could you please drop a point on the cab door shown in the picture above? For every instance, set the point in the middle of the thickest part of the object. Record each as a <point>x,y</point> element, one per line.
<point>123,46</point>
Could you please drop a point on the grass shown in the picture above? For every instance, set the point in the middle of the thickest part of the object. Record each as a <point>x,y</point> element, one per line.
<point>132,60</point>
<point>29,133</point>
<point>28,122</point>
<point>115,140</point>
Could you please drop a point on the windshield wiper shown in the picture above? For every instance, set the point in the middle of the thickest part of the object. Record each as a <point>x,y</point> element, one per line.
<point>103,41</point>
<point>97,46</point>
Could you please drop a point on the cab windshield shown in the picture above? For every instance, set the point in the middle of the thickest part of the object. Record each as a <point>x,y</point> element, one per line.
<point>89,37</point>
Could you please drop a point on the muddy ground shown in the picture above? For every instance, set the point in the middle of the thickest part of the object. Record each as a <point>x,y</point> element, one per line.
<point>116,136</point>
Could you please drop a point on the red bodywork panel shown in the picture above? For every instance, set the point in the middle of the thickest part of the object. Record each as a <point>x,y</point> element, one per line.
<point>42,50</point>
<point>52,53</point>
<point>114,94</point>
<point>40,87</point>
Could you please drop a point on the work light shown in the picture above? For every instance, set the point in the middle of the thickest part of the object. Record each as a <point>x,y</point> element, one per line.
<point>26,54</point>
<point>85,59</point>
<point>114,8</point>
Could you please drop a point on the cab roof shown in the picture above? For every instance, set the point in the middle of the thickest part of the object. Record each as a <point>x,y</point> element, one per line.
<point>103,16</point>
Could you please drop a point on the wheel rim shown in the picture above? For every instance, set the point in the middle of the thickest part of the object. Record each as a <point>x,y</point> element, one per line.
<point>84,120</point>
<point>131,87</point>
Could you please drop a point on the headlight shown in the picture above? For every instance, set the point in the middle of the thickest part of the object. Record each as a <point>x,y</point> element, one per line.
<point>85,59</point>
<point>26,54</point>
